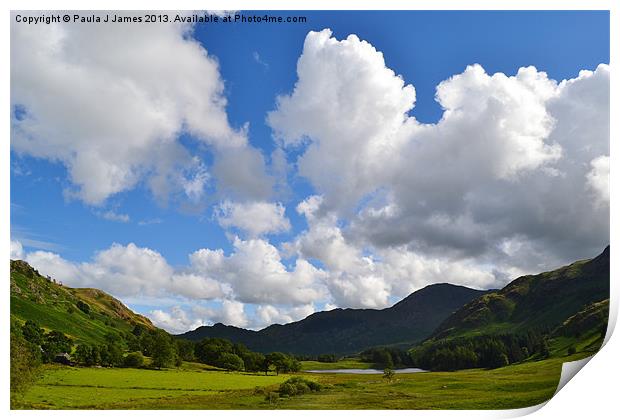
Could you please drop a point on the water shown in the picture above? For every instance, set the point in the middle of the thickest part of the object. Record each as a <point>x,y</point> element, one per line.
<point>366,371</point>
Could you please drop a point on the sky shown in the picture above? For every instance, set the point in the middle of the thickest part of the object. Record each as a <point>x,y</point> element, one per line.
<point>253,174</point>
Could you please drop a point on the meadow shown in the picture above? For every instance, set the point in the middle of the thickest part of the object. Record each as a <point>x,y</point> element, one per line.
<point>196,386</point>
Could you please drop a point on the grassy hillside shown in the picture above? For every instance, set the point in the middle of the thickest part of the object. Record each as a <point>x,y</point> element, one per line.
<point>552,314</point>
<point>348,331</point>
<point>57,307</point>
<point>582,332</point>
<point>542,301</point>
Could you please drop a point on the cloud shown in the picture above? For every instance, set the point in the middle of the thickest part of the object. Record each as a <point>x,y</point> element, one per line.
<point>155,221</point>
<point>254,218</point>
<point>359,276</point>
<point>598,178</point>
<point>232,314</point>
<point>269,314</point>
<point>127,271</point>
<point>253,273</point>
<point>133,102</point>
<point>17,251</point>
<point>256,274</point>
<point>510,160</point>
<point>176,321</point>
<point>55,266</point>
<point>229,312</point>
<point>113,216</point>
<point>257,58</point>
<point>347,106</point>
<point>242,174</point>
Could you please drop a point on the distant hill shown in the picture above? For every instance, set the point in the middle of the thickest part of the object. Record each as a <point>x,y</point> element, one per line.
<point>347,331</point>
<point>57,307</point>
<point>573,295</point>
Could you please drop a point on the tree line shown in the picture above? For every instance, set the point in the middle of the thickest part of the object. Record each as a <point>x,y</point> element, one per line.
<point>224,354</point>
<point>479,351</point>
<point>387,357</point>
<point>131,349</point>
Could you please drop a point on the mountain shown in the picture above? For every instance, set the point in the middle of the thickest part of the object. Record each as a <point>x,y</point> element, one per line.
<point>542,301</point>
<point>346,331</point>
<point>86,315</point>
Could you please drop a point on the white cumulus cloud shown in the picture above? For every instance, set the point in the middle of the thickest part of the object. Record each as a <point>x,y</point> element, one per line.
<point>511,159</point>
<point>256,273</point>
<point>112,111</point>
<point>255,218</point>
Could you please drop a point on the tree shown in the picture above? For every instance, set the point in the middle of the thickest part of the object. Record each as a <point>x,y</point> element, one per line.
<point>83,354</point>
<point>134,360</point>
<point>147,342</point>
<point>388,374</point>
<point>210,349</point>
<point>326,358</point>
<point>230,362</point>
<point>25,361</point>
<point>444,359</point>
<point>294,365</point>
<point>95,357</point>
<point>32,333</point>
<point>545,352</point>
<point>163,351</point>
<point>253,362</point>
<point>185,350</point>
<point>112,337</point>
<point>133,344</point>
<point>278,360</point>
<point>104,356</point>
<point>115,355</point>
<point>55,342</point>
<point>281,362</point>
<point>266,365</point>
<point>138,330</point>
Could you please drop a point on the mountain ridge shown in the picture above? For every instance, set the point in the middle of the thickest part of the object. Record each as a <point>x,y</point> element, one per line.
<point>345,331</point>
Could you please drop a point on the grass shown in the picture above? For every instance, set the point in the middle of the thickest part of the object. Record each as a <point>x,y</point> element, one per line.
<point>341,364</point>
<point>195,387</point>
<point>75,388</point>
<point>53,307</point>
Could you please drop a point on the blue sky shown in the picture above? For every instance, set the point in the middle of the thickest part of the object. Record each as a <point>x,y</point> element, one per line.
<point>256,64</point>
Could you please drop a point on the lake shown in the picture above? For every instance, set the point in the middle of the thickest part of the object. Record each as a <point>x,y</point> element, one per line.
<point>366,371</point>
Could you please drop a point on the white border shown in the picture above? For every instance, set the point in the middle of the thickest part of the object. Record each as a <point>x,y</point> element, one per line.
<point>591,395</point>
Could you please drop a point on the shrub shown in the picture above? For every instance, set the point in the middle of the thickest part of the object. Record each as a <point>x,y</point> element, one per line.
<point>287,389</point>
<point>134,359</point>
<point>83,306</point>
<point>298,386</point>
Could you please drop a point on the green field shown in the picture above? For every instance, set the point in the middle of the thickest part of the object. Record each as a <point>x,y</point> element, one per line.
<point>341,364</point>
<point>66,387</point>
<point>514,386</point>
